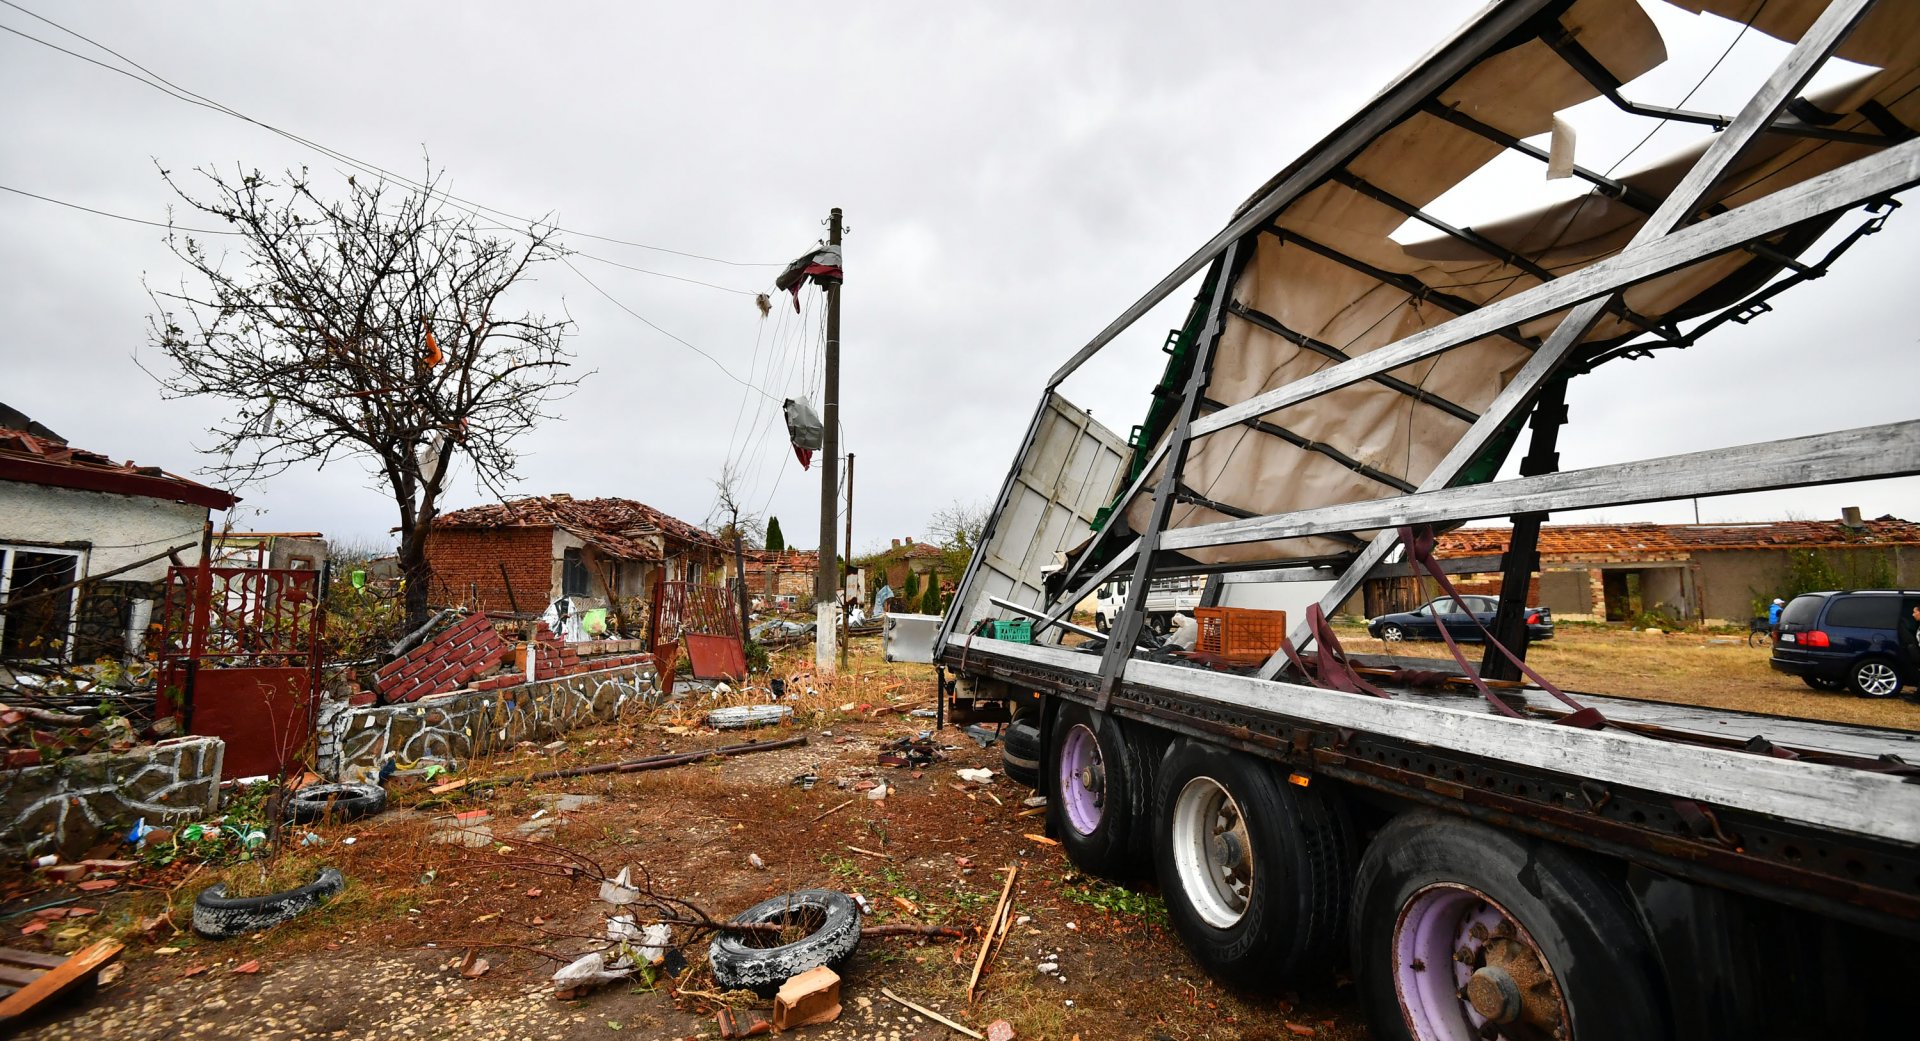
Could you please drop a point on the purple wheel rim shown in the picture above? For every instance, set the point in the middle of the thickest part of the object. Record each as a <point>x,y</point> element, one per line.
<point>1083,779</point>
<point>1465,969</point>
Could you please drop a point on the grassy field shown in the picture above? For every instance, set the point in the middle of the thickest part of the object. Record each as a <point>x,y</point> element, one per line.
<point>1688,667</point>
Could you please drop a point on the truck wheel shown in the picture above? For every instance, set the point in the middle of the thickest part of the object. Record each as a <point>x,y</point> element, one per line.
<point>1463,932</point>
<point>1093,793</point>
<point>1255,872</point>
<point>1020,752</point>
<point>1874,678</point>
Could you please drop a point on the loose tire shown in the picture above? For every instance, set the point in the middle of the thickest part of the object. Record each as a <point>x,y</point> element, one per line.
<point>1020,752</point>
<point>218,916</point>
<point>1255,872</point>
<point>1874,678</point>
<point>1095,793</point>
<point>336,802</point>
<point>758,962</point>
<point>1392,633</point>
<point>1459,927</point>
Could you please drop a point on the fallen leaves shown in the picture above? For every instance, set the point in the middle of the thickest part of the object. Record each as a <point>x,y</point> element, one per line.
<point>246,968</point>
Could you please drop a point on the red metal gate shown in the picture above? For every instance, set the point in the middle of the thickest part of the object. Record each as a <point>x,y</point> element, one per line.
<point>707,620</point>
<point>239,658</point>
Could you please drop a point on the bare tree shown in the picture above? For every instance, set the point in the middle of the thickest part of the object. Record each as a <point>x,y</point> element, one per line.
<point>958,527</point>
<point>727,521</point>
<point>368,326</point>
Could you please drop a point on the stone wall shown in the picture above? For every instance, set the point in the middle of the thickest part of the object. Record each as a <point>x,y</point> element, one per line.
<point>72,805</point>
<point>454,728</point>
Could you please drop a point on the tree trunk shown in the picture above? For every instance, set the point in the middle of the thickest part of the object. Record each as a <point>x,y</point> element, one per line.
<point>418,575</point>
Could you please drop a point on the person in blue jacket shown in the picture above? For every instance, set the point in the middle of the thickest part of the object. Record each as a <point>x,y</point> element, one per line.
<point>1773,613</point>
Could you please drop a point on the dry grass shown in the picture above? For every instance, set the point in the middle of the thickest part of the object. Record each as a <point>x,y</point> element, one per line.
<point>1690,668</point>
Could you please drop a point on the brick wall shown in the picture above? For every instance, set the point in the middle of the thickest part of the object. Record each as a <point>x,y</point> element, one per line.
<point>466,566</point>
<point>446,662</point>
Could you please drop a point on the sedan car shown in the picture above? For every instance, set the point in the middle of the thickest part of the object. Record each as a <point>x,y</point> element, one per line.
<point>1422,623</point>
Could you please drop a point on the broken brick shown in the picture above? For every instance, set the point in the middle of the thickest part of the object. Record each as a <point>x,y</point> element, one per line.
<point>811,997</point>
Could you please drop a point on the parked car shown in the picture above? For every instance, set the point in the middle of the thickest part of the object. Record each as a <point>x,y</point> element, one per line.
<point>1846,639</point>
<point>1422,623</point>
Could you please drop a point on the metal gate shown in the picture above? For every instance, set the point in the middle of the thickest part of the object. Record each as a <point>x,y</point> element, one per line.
<point>707,620</point>
<point>239,657</point>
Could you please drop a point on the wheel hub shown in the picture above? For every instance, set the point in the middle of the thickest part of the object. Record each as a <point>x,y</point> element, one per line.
<point>1493,994</point>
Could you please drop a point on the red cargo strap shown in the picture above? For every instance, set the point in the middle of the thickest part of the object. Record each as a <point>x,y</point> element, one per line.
<point>1420,549</point>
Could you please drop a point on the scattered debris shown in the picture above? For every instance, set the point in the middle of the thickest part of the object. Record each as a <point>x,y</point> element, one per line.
<point>473,966</point>
<point>1000,1030</point>
<point>1041,839</point>
<point>247,968</point>
<point>741,717</point>
<point>656,762</point>
<point>620,891</point>
<point>976,776</point>
<point>733,1024</point>
<point>831,812</point>
<point>1034,802</point>
<point>576,978</point>
<point>47,976</point>
<point>996,926</point>
<point>754,860</point>
<point>806,781</point>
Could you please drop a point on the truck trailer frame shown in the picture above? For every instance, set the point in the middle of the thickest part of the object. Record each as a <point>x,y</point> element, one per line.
<point>1708,821</point>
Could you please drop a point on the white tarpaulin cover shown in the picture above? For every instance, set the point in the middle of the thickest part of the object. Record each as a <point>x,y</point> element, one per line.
<point>1518,90</point>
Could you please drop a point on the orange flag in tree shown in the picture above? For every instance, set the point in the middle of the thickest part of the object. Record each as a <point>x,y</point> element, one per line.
<point>434,357</point>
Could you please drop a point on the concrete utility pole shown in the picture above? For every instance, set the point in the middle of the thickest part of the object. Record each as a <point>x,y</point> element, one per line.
<point>826,584</point>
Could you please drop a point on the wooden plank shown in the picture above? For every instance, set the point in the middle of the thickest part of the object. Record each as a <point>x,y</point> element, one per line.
<point>31,959</point>
<point>1883,173</point>
<point>18,977</point>
<point>79,968</point>
<point>1864,453</point>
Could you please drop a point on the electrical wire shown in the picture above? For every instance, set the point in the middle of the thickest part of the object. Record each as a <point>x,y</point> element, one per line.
<point>650,324</point>
<point>165,86</point>
<point>115,216</point>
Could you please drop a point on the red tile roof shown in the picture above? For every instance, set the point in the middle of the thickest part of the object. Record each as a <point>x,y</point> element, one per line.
<point>32,459</point>
<point>788,562</point>
<point>1591,540</point>
<point>621,527</point>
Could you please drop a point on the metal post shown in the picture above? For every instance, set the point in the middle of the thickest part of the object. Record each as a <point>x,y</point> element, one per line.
<point>846,635</point>
<point>826,581</point>
<point>1125,629</point>
<point>1523,556</point>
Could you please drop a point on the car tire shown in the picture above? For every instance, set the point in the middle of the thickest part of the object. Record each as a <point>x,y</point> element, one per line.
<point>218,916</point>
<point>335,802</point>
<point>1100,623</point>
<point>1823,683</point>
<point>743,961</point>
<point>1392,633</point>
<point>1555,941</point>
<point>1874,677</point>
<point>1095,790</point>
<point>1020,752</point>
<point>1283,917</point>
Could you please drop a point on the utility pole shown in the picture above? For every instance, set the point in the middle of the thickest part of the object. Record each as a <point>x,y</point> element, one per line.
<point>826,585</point>
<point>846,624</point>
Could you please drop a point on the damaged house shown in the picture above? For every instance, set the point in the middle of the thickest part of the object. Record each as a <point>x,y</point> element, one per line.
<point>524,554</point>
<point>85,542</point>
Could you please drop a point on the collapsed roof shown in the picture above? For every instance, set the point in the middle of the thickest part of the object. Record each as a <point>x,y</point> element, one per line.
<point>1326,281</point>
<point>619,527</point>
<point>1592,540</point>
<point>30,458</point>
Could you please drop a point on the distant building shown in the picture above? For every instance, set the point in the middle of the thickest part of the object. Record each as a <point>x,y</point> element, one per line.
<point>299,550</point>
<point>789,573</point>
<point>1685,572</point>
<point>523,554</point>
<point>68,515</point>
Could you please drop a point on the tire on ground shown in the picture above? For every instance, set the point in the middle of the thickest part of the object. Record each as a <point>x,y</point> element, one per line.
<point>1428,876</point>
<point>336,802</point>
<point>1020,751</point>
<point>218,916</point>
<point>758,963</point>
<point>1874,677</point>
<point>1255,871</point>
<point>1097,800</point>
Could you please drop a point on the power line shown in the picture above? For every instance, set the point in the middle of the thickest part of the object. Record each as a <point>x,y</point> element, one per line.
<point>115,216</point>
<point>649,324</point>
<point>169,88</point>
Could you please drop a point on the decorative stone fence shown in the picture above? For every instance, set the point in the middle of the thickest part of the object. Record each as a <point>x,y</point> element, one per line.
<point>69,806</point>
<point>453,728</point>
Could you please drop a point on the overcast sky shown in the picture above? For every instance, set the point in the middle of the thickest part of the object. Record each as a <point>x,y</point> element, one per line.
<point>1013,176</point>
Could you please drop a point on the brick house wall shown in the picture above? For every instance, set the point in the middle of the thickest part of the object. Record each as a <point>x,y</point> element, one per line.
<point>467,563</point>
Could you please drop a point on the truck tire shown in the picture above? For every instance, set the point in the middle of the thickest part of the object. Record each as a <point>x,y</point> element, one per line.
<point>218,916</point>
<point>1553,948</point>
<point>748,961</point>
<point>335,802</point>
<point>1095,791</point>
<point>1020,751</point>
<point>1255,871</point>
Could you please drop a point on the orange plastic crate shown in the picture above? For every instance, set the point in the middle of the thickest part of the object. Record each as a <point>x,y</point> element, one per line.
<point>1242,635</point>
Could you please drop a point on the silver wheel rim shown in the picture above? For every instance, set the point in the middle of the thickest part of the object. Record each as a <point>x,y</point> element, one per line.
<point>1211,852</point>
<point>1392,634</point>
<point>1877,679</point>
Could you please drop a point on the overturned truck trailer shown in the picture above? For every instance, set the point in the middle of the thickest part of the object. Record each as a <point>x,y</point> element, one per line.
<point>1493,857</point>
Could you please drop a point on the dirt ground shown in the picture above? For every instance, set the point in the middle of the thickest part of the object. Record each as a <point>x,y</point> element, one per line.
<point>383,960</point>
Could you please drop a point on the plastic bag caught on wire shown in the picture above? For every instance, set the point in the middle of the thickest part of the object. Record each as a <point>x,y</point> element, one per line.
<point>805,430</point>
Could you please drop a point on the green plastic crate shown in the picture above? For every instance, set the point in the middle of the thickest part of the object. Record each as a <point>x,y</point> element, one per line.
<point>1020,630</point>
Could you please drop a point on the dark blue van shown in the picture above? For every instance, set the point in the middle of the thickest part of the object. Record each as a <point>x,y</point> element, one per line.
<point>1846,639</point>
